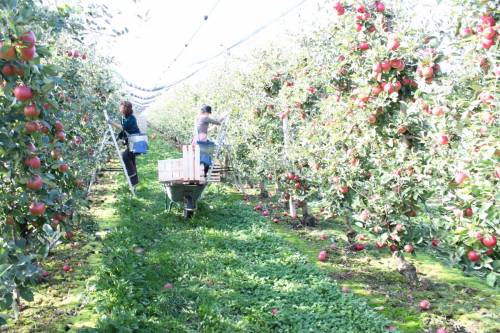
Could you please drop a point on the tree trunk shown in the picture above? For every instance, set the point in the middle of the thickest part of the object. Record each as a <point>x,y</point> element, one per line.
<point>408,270</point>
<point>263,190</point>
<point>307,220</point>
<point>350,233</point>
<point>16,302</point>
<point>293,209</point>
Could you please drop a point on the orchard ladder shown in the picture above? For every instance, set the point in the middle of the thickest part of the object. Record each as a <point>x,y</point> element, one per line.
<point>109,133</point>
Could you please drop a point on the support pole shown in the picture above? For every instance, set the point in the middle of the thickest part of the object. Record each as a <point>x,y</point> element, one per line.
<point>286,135</point>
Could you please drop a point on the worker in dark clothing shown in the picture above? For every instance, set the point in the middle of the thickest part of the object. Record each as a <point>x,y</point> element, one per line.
<point>128,126</point>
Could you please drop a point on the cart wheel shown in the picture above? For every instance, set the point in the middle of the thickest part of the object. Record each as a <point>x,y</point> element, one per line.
<point>188,213</point>
<point>189,206</point>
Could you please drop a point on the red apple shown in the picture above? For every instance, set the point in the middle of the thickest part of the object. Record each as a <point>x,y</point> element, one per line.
<point>31,127</point>
<point>427,72</point>
<point>365,215</point>
<point>45,274</point>
<point>393,45</point>
<point>487,43</point>
<point>439,110</point>
<point>360,8</point>
<point>408,248</point>
<point>379,244</point>
<point>168,286</point>
<point>435,242</point>
<point>402,129</point>
<point>35,183</point>
<point>473,256</point>
<point>68,235</point>
<point>397,86</point>
<point>393,247</point>
<point>442,139</point>
<point>358,247</point>
<point>488,20</point>
<point>10,220</point>
<point>33,162</point>
<point>468,212</point>
<point>376,90</point>
<point>37,208</point>
<point>388,87</point>
<point>63,168</point>
<point>58,126</point>
<point>258,207</point>
<point>377,229</point>
<point>467,31</point>
<point>8,70</point>
<point>344,189</point>
<point>363,46</point>
<point>61,136</point>
<point>372,119</point>
<point>397,64</point>
<point>490,241</point>
<point>66,268</point>
<point>28,54</point>
<point>386,66</point>
<point>441,330</point>
<point>23,93</point>
<point>489,33</point>
<point>399,227</point>
<point>379,6</point>
<point>28,38</point>
<point>31,147</point>
<point>460,177</point>
<point>377,68</point>
<point>10,54</point>
<point>425,305</point>
<point>323,256</point>
<point>31,111</point>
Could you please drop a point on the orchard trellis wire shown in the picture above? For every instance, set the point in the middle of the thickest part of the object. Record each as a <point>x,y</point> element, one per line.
<point>162,88</point>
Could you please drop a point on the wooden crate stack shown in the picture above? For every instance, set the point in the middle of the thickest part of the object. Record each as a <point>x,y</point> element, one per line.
<point>186,170</point>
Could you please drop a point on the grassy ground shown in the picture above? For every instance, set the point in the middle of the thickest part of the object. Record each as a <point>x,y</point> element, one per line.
<point>233,271</point>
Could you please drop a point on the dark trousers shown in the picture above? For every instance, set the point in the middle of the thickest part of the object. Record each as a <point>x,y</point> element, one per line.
<point>129,160</point>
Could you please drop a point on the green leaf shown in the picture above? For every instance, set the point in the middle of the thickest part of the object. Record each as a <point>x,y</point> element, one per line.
<point>491,279</point>
<point>26,294</point>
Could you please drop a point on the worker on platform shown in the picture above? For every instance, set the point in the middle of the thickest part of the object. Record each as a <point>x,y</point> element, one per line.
<point>202,122</point>
<point>128,126</point>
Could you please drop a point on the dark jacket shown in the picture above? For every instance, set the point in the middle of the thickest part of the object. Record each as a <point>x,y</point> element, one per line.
<point>129,125</point>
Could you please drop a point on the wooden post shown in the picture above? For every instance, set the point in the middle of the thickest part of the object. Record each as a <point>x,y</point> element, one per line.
<point>293,208</point>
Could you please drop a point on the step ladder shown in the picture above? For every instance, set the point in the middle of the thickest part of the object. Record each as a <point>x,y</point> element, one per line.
<point>219,142</point>
<point>107,139</point>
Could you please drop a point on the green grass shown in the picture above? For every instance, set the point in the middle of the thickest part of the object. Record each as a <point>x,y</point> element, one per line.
<point>457,300</point>
<point>230,268</point>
